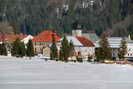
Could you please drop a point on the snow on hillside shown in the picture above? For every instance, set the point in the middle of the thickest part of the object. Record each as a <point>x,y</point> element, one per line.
<point>39,74</point>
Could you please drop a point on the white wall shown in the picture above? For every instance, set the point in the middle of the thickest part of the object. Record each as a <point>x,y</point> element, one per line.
<point>129,50</point>
<point>85,51</point>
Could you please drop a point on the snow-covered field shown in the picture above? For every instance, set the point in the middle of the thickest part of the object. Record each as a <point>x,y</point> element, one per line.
<point>38,74</point>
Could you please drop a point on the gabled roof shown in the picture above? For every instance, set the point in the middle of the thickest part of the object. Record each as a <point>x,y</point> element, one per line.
<point>46,36</point>
<point>85,42</point>
<point>80,41</point>
<point>74,40</point>
<point>11,37</point>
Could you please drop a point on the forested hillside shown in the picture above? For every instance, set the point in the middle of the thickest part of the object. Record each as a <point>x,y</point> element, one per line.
<point>33,16</point>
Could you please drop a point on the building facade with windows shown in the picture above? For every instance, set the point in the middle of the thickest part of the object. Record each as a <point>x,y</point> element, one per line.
<point>43,41</point>
<point>115,42</point>
<point>82,46</point>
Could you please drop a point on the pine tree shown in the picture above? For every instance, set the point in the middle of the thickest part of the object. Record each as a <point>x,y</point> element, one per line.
<point>98,54</point>
<point>18,48</point>
<point>115,10</point>
<point>22,49</point>
<point>15,47</point>
<point>3,50</point>
<point>53,49</point>
<point>0,49</point>
<point>123,49</point>
<point>65,50</point>
<point>105,50</point>
<point>30,49</point>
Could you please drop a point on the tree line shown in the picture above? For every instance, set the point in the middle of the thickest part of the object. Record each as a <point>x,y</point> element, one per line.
<point>105,52</point>
<point>18,49</point>
<point>32,16</point>
<point>66,51</point>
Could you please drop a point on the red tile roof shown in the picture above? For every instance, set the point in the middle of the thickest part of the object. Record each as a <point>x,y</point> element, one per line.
<point>46,36</point>
<point>11,37</point>
<point>85,42</point>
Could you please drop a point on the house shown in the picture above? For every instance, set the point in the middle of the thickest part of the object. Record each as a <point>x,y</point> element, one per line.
<point>115,42</point>
<point>43,41</point>
<point>88,47</point>
<point>82,46</point>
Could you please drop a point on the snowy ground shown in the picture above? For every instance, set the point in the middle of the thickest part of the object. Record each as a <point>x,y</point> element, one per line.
<point>38,74</point>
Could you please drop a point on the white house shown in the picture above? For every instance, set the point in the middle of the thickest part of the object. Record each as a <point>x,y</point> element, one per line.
<point>115,42</point>
<point>82,46</point>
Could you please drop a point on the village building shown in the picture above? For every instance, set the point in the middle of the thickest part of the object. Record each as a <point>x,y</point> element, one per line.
<point>82,46</point>
<point>115,42</point>
<point>43,41</point>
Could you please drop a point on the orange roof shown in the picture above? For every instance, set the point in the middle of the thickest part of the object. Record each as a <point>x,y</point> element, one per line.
<point>11,37</point>
<point>85,41</point>
<point>46,36</point>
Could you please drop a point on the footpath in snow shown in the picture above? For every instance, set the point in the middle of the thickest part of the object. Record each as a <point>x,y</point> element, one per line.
<point>39,74</point>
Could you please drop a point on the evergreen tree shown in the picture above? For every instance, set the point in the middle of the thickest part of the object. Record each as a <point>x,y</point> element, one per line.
<point>22,49</point>
<point>0,49</point>
<point>30,49</point>
<point>123,49</point>
<point>53,49</point>
<point>15,47</point>
<point>18,48</point>
<point>105,50</point>
<point>71,49</point>
<point>115,10</point>
<point>65,49</point>
<point>3,50</point>
<point>98,54</point>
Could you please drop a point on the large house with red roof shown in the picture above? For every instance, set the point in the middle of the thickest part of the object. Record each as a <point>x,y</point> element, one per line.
<point>43,41</point>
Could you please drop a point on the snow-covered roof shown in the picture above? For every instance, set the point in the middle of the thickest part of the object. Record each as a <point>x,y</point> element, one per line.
<point>75,41</point>
<point>115,42</point>
<point>79,41</point>
<point>26,39</point>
